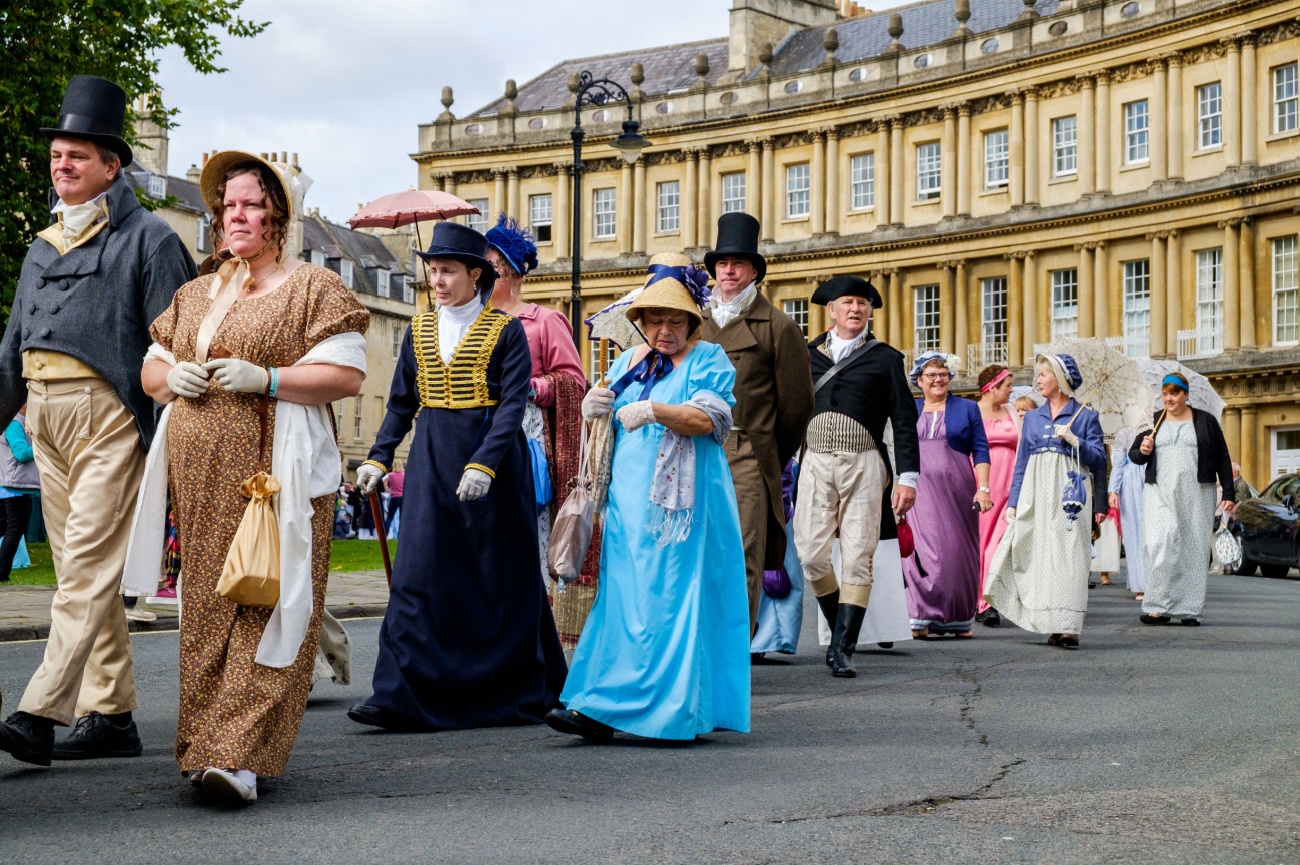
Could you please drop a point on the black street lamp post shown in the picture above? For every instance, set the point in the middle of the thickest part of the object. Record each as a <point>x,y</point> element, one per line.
<point>595,91</point>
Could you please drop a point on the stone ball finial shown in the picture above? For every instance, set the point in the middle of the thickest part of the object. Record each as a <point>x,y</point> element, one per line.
<point>638,74</point>
<point>962,12</point>
<point>1029,4</point>
<point>512,90</point>
<point>701,64</point>
<point>574,82</point>
<point>447,98</point>
<point>895,26</point>
<point>831,42</point>
<point>765,54</point>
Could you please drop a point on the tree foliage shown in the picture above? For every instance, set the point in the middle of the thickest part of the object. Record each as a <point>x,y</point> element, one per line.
<point>43,44</point>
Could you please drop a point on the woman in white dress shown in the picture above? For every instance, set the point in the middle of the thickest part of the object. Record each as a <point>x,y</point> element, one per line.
<point>1178,504</point>
<point>1039,575</point>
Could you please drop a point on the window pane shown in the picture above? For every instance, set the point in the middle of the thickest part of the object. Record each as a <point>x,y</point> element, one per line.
<point>1209,300</point>
<point>1137,308</point>
<point>1209,108</point>
<point>603,213</point>
<point>539,217</point>
<point>797,184</point>
<point>669,206</point>
<point>997,159</point>
<point>1286,285</point>
<point>1285,98</point>
<point>1065,140</point>
<point>927,318</point>
<point>1065,303</point>
<point>733,192</point>
<point>798,310</point>
<point>478,221</point>
<point>1136,129</point>
<point>862,178</point>
<point>994,297</point>
<point>929,162</point>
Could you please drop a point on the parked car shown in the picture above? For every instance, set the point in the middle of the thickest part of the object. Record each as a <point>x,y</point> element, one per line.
<point>1269,528</point>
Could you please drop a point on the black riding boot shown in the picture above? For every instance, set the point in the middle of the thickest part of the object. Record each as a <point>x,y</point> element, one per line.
<point>830,609</point>
<point>848,624</point>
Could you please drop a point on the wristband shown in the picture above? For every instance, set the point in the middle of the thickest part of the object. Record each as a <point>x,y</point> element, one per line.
<point>274,373</point>
<point>985,490</point>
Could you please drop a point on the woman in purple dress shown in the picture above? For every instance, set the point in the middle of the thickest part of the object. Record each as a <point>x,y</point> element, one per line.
<point>943,577</point>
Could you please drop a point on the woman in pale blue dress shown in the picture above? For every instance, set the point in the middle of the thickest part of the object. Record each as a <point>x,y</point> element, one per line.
<point>1127,479</point>
<point>665,651</point>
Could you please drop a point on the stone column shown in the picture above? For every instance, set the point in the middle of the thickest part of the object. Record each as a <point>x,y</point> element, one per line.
<point>946,307</point>
<point>1107,324</point>
<point>1246,279</point>
<point>691,192</point>
<point>623,209</point>
<point>1015,293</point>
<point>948,167</point>
<point>642,207</point>
<point>817,184</point>
<point>1032,176</point>
<point>832,181</point>
<point>1232,97</point>
<point>561,229</point>
<point>1087,160</point>
<point>1157,122</point>
<point>754,180</point>
<point>1231,288</point>
<point>961,293</point>
<point>894,304</point>
<point>1045,311</point>
<point>1175,120</point>
<point>498,191</point>
<point>1232,433</point>
<point>1250,448</point>
<point>1029,310</point>
<point>884,166</point>
<point>896,173</point>
<point>1182,316</point>
<point>704,209</point>
<point>879,319</point>
<point>1249,102</point>
<point>769,190</point>
<point>1103,131</point>
<point>512,193</point>
<point>1159,296</point>
<point>1086,319</point>
<point>966,174</point>
<point>1017,155</point>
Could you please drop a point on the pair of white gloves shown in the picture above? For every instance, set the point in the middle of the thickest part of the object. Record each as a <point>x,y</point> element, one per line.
<point>474,483</point>
<point>190,380</point>
<point>599,402</point>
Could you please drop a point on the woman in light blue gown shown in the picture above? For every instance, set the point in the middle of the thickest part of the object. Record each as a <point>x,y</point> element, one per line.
<point>665,651</point>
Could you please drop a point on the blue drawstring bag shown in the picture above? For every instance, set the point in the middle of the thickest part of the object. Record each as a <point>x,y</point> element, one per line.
<point>1075,495</point>
<point>541,474</point>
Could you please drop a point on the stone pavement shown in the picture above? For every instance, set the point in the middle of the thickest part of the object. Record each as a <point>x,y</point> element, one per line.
<point>25,610</point>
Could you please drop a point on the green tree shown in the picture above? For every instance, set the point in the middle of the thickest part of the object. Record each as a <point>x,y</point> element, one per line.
<point>45,43</point>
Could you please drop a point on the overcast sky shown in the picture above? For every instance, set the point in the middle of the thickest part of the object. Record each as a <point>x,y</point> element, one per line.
<point>344,83</point>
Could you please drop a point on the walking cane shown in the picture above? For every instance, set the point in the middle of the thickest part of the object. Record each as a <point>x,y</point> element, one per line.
<point>377,512</point>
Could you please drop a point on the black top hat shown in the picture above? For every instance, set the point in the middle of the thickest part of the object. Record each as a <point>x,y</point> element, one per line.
<point>847,286</point>
<point>93,109</point>
<point>462,243</point>
<point>737,238</point>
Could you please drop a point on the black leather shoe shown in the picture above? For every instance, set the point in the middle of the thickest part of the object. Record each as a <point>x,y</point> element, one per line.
<point>830,605</point>
<point>992,618</point>
<point>95,736</point>
<point>575,723</point>
<point>848,624</point>
<point>386,719</point>
<point>29,738</point>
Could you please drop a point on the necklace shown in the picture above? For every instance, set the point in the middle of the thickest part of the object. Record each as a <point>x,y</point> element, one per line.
<point>252,287</point>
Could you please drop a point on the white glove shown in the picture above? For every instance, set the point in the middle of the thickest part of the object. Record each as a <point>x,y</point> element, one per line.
<point>1011,515</point>
<point>368,478</point>
<point>1064,432</point>
<point>637,414</point>
<point>239,376</point>
<point>188,379</point>
<point>598,402</point>
<point>473,485</point>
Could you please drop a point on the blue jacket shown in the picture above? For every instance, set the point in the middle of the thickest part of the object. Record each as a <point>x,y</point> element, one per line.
<point>965,427</point>
<point>1038,435</point>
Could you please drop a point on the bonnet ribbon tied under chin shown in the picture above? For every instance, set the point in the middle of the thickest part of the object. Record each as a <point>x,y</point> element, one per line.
<point>652,367</point>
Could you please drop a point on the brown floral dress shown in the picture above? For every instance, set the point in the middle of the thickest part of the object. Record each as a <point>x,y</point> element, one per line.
<point>234,713</point>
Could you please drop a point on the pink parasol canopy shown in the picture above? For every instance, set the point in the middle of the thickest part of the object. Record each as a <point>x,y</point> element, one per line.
<point>411,205</point>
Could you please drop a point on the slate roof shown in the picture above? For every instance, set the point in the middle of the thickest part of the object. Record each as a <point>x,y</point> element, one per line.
<point>365,251</point>
<point>186,192</point>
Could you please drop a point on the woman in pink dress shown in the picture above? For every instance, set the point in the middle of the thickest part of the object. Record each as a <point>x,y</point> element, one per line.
<point>1002,428</point>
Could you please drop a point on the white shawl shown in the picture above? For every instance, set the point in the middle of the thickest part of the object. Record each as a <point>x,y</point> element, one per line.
<point>304,458</point>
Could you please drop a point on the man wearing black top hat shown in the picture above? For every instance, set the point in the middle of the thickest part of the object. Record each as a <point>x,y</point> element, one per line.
<point>845,473</point>
<point>468,639</point>
<point>90,286</point>
<point>773,392</point>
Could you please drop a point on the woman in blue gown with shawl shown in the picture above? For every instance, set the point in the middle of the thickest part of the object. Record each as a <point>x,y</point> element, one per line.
<point>665,651</point>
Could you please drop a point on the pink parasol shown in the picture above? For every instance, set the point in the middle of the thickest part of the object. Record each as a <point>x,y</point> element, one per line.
<point>411,205</point>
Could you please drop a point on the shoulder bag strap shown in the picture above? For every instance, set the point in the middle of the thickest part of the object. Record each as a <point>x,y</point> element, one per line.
<point>853,355</point>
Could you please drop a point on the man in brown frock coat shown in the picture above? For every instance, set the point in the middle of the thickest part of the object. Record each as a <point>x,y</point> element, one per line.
<point>774,392</point>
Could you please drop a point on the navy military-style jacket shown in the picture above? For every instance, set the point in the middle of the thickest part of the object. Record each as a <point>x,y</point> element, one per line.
<point>1038,435</point>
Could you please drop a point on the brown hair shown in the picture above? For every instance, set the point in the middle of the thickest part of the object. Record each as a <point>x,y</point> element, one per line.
<point>988,373</point>
<point>273,199</point>
<point>1025,403</point>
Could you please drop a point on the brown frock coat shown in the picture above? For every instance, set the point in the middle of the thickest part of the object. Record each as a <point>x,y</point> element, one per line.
<point>774,398</point>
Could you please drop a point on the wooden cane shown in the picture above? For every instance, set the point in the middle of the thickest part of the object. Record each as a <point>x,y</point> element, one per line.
<point>604,362</point>
<point>377,512</point>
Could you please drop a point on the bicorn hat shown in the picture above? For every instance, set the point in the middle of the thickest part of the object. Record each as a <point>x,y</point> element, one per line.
<point>93,109</point>
<point>462,243</point>
<point>737,238</point>
<point>847,286</point>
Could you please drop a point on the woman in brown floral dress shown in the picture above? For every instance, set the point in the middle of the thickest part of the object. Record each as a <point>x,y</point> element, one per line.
<point>245,671</point>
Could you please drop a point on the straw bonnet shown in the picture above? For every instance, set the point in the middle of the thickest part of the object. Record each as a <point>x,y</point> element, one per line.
<point>666,288</point>
<point>293,182</point>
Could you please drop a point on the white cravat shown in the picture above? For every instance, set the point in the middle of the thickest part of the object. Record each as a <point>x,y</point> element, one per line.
<point>840,348</point>
<point>725,310</point>
<point>453,324</point>
<point>78,217</point>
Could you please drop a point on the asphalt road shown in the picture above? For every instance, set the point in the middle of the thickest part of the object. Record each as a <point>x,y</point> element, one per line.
<point>1147,745</point>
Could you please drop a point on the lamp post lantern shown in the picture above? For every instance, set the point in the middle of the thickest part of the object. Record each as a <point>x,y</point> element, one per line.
<point>595,91</point>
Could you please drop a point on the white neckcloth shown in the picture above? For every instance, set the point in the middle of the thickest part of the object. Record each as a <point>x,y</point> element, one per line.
<point>304,458</point>
<point>453,324</point>
<point>725,311</point>
<point>76,218</point>
<point>840,348</point>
